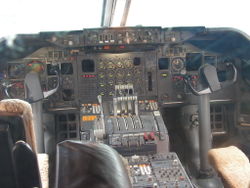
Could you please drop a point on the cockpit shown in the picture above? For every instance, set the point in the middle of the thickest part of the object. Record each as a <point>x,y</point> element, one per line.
<point>167,103</point>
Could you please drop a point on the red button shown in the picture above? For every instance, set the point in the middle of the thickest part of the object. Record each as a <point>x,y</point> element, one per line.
<point>145,136</point>
<point>152,136</point>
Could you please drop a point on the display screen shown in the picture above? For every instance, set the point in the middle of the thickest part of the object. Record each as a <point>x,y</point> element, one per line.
<point>52,69</point>
<point>163,63</point>
<point>137,61</point>
<point>88,65</point>
<point>193,61</point>
<point>245,107</point>
<point>66,68</point>
<point>211,60</point>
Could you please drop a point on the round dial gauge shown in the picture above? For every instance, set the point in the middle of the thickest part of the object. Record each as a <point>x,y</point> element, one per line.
<point>101,84</point>
<point>17,90</point>
<point>101,75</point>
<point>110,75</point>
<point>119,64</point>
<point>137,72</point>
<point>129,74</point>
<point>177,64</point>
<point>128,64</point>
<point>119,74</point>
<point>101,65</point>
<point>110,65</point>
<point>110,82</point>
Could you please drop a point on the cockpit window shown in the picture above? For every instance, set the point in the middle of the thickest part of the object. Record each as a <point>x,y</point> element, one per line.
<point>57,15</point>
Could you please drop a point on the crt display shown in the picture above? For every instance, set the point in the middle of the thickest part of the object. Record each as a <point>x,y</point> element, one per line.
<point>88,65</point>
<point>210,60</point>
<point>163,63</point>
<point>51,69</point>
<point>245,107</point>
<point>66,68</point>
<point>137,61</point>
<point>193,61</point>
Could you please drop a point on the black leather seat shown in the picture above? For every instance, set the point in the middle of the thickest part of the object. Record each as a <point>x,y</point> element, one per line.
<point>7,167</point>
<point>27,170</point>
<point>18,164</point>
<point>93,165</point>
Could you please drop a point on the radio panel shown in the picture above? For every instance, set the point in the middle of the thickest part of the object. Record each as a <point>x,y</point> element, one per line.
<point>158,170</point>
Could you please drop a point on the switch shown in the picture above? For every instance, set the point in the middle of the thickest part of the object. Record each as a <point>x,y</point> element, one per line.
<point>152,136</point>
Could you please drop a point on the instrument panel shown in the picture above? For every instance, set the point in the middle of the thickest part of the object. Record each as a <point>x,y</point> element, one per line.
<point>104,71</point>
<point>125,87</point>
<point>118,36</point>
<point>91,62</point>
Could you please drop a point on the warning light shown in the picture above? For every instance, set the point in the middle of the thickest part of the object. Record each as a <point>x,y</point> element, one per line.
<point>88,76</point>
<point>106,47</point>
<point>88,118</point>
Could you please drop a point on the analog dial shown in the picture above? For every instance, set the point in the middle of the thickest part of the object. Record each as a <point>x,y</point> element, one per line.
<point>177,64</point>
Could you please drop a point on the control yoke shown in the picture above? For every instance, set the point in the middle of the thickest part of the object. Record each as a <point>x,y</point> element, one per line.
<point>210,81</point>
<point>33,89</point>
<point>52,91</point>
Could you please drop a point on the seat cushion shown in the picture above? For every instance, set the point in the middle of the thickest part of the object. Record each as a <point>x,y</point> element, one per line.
<point>232,165</point>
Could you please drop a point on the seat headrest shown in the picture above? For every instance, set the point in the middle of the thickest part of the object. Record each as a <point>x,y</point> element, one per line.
<point>89,165</point>
<point>16,107</point>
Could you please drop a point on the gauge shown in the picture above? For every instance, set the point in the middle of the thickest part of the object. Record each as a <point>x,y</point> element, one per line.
<point>120,74</point>
<point>52,82</point>
<point>119,64</point>
<point>111,93</point>
<point>128,74</point>
<point>128,64</point>
<point>110,65</point>
<point>101,65</point>
<point>177,64</point>
<point>102,93</point>
<point>110,75</point>
<point>67,82</point>
<point>111,83</point>
<point>17,90</point>
<point>101,84</point>
<point>137,72</point>
<point>131,37</point>
<point>101,75</point>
